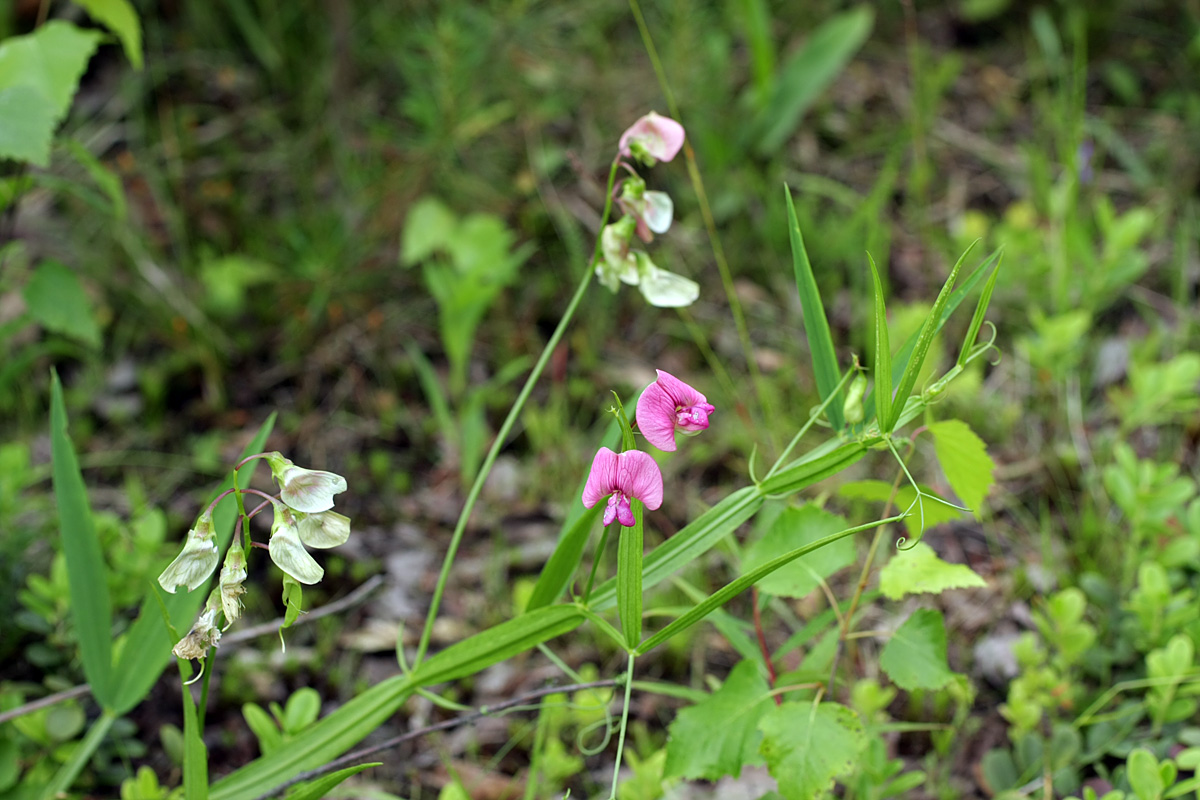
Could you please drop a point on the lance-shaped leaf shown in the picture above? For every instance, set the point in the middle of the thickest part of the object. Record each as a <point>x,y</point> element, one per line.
<point>629,578</point>
<point>91,607</point>
<point>924,339</point>
<point>796,527</point>
<point>883,355</point>
<point>816,325</point>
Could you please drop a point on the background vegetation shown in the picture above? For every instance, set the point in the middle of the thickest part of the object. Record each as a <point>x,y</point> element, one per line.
<point>222,235</point>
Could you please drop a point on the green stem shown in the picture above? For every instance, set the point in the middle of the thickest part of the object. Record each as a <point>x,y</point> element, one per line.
<point>624,723</point>
<point>812,419</point>
<point>472,496</point>
<point>710,224</point>
<point>599,554</point>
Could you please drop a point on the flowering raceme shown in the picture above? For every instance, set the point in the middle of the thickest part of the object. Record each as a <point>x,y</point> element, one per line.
<point>622,477</point>
<point>669,405</point>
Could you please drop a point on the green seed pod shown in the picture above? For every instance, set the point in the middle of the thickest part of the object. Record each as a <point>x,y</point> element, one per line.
<point>852,409</point>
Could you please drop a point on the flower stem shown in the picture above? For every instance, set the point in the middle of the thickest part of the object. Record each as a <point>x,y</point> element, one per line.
<point>624,723</point>
<point>460,527</point>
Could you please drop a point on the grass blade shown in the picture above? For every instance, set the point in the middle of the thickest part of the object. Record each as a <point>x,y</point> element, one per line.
<point>921,349</point>
<point>195,754</point>
<point>564,561</point>
<point>813,468</point>
<point>80,755</point>
<point>147,647</point>
<point>629,577</point>
<point>318,788</point>
<point>91,606</point>
<point>816,325</point>
<point>883,354</point>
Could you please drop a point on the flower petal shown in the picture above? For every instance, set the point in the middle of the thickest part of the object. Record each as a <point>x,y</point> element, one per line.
<point>324,529</point>
<point>653,135</point>
<point>664,289</point>
<point>656,416</point>
<point>287,552</point>
<point>310,490</point>
<point>192,566</point>
<point>638,476</point>
<point>658,211</point>
<point>602,480</point>
<point>682,395</point>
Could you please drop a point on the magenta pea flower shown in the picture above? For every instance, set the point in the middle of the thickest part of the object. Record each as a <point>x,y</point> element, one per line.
<point>652,138</point>
<point>622,477</point>
<point>669,405</point>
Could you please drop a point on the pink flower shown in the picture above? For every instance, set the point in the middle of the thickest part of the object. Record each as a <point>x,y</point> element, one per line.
<point>652,138</point>
<point>621,477</point>
<point>669,405</point>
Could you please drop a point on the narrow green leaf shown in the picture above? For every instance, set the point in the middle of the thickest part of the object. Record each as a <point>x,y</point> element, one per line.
<point>900,362</point>
<point>735,587</point>
<point>56,299</point>
<point>195,754</point>
<point>120,18</point>
<point>147,646</point>
<point>915,657</point>
<point>719,735</point>
<point>883,354</point>
<point>106,179</point>
<point>964,460</point>
<point>81,754</point>
<point>815,465</point>
<point>564,561</point>
<point>323,742</point>
<point>985,298</point>
<point>916,359</point>
<point>808,73</point>
<point>91,607</point>
<point>816,326</point>
<point>919,570</point>
<point>807,747</point>
<point>793,528</point>
<point>629,578</point>
<point>316,789</point>
<point>497,644</point>
<point>689,544</point>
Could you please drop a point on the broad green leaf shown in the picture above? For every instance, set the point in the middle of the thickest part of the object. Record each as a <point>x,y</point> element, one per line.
<point>91,607</point>
<point>929,330</point>
<point>808,73</point>
<point>1144,776</point>
<point>195,754</point>
<point>935,513</point>
<point>49,60</point>
<point>816,325</point>
<point>883,354</point>
<point>815,465</point>
<point>964,461</point>
<point>497,644</point>
<point>737,586</point>
<point>56,299</point>
<point>323,742</point>
<point>689,544</point>
<point>429,227</point>
<point>120,18</point>
<point>629,577</point>
<point>264,728</point>
<point>564,561</point>
<point>915,656</point>
<point>316,789</point>
<point>27,123</point>
<point>718,736</point>
<point>147,647</point>
<point>919,570</point>
<point>793,528</point>
<point>806,747</point>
